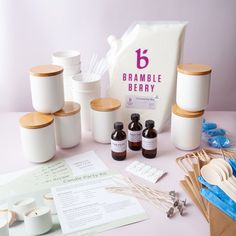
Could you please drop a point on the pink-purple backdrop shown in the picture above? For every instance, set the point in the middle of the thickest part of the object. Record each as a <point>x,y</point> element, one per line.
<point>31,30</point>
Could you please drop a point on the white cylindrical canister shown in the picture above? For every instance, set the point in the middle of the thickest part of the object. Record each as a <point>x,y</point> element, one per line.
<point>193,86</point>
<point>104,113</point>
<point>38,221</point>
<point>186,128</point>
<point>37,136</point>
<point>68,125</point>
<point>47,91</point>
<point>22,206</point>
<point>84,91</point>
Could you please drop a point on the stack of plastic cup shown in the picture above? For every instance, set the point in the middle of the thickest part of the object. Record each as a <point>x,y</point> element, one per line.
<point>70,61</point>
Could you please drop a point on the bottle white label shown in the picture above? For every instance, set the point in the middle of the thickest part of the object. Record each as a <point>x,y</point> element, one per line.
<point>135,136</point>
<point>118,146</point>
<point>149,143</point>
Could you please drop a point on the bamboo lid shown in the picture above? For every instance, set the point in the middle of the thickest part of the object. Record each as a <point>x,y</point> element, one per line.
<point>46,70</point>
<point>105,104</point>
<point>70,108</point>
<point>181,112</point>
<point>194,69</point>
<point>35,120</point>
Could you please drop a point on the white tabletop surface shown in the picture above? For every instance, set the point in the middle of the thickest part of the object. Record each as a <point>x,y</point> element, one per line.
<point>192,223</point>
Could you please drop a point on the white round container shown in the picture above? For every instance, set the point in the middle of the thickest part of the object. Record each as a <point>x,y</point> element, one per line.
<point>104,113</point>
<point>193,86</point>
<point>37,137</point>
<point>186,128</point>
<point>38,221</point>
<point>66,58</point>
<point>22,206</point>
<point>68,125</point>
<point>47,91</point>
<point>84,91</point>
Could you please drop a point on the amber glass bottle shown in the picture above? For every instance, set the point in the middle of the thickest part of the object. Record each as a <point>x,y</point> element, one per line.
<point>149,140</point>
<point>135,133</point>
<point>118,142</point>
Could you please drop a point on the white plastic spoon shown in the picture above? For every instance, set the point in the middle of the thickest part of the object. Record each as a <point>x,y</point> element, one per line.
<point>227,168</point>
<point>212,176</point>
<point>224,173</point>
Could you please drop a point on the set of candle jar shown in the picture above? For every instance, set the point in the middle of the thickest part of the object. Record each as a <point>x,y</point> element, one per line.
<point>37,220</point>
<point>137,138</point>
<point>55,121</point>
<point>193,85</point>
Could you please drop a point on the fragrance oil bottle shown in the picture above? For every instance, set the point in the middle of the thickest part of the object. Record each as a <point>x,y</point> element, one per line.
<point>118,142</point>
<point>135,133</point>
<point>149,140</point>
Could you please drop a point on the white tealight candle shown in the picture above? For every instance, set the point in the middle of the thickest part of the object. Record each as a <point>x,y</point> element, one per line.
<point>23,206</point>
<point>4,231</point>
<point>49,202</point>
<point>38,221</point>
<point>9,215</point>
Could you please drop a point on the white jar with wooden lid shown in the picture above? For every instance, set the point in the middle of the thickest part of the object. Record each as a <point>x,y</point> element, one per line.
<point>47,88</point>
<point>104,113</point>
<point>193,86</point>
<point>37,136</point>
<point>68,125</point>
<point>186,128</point>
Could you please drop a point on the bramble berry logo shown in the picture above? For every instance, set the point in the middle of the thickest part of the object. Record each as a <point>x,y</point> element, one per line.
<point>142,60</point>
<point>139,80</point>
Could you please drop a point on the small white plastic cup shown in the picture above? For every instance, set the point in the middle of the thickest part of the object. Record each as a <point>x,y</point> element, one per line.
<point>66,58</point>
<point>84,91</point>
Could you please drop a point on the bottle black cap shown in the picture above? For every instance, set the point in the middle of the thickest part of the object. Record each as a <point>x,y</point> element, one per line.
<point>149,123</point>
<point>118,125</point>
<point>135,116</point>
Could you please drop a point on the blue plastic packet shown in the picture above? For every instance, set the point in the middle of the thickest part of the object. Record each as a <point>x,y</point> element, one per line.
<point>218,192</point>
<point>215,132</point>
<point>219,142</point>
<point>217,202</point>
<point>208,126</point>
<point>233,165</point>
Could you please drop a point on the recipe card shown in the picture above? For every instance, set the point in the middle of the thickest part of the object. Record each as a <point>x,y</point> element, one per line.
<point>87,207</point>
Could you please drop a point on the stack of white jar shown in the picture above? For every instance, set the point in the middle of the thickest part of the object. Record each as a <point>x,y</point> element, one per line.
<point>71,63</point>
<point>193,86</point>
<point>55,122</point>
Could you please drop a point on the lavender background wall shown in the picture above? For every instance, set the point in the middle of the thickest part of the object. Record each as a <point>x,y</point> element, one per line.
<point>31,30</point>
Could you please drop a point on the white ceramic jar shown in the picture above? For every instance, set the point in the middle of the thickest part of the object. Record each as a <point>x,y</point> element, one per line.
<point>186,128</point>
<point>104,113</point>
<point>37,136</point>
<point>47,91</point>
<point>68,125</point>
<point>193,86</point>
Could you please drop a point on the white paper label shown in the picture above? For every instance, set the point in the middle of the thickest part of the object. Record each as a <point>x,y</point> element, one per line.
<point>135,136</point>
<point>140,102</point>
<point>149,143</point>
<point>118,146</point>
